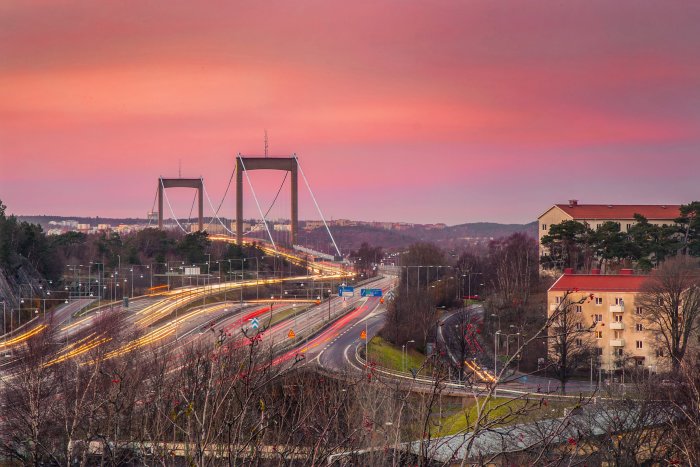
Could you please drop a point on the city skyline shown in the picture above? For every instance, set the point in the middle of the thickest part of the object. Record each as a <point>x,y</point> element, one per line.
<point>404,111</point>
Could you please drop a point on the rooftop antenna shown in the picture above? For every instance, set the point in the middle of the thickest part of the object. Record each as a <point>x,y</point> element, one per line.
<point>265,143</point>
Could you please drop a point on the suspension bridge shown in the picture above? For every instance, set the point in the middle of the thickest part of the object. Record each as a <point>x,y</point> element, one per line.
<point>290,165</point>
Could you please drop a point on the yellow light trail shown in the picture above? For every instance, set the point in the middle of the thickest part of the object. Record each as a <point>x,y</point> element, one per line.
<point>79,350</point>
<point>163,331</point>
<point>23,337</point>
<point>484,375</point>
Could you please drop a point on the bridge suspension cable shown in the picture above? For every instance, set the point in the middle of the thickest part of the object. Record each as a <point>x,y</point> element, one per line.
<point>216,213</point>
<point>257,203</point>
<point>165,193</point>
<point>316,203</point>
<point>150,217</point>
<point>278,193</point>
<point>194,198</point>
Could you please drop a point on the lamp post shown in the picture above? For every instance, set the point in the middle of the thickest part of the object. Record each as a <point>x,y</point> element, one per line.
<point>493,315</point>
<point>495,355</point>
<point>404,354</point>
<point>469,281</point>
<point>508,340</point>
<point>329,305</point>
<point>4,319</point>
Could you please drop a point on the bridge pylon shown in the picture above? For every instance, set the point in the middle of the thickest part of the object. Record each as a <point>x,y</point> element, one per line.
<point>196,183</point>
<point>246,163</point>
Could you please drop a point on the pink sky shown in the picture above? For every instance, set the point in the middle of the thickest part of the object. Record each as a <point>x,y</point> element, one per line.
<point>418,111</point>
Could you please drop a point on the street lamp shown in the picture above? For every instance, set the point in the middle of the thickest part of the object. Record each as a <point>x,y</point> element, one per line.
<point>495,355</point>
<point>329,305</point>
<point>493,315</point>
<point>404,354</point>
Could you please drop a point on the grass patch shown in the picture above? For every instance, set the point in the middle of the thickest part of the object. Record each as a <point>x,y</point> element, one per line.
<point>280,316</point>
<point>498,407</point>
<point>389,356</point>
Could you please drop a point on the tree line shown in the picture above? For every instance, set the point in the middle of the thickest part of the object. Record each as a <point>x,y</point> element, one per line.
<point>645,245</point>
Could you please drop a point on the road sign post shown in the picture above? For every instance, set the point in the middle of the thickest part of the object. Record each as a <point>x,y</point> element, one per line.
<point>346,291</point>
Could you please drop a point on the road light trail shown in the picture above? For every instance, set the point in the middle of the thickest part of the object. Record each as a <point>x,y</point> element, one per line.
<point>23,337</point>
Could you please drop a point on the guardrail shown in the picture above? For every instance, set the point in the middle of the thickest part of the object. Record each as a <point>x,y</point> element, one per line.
<point>474,390</point>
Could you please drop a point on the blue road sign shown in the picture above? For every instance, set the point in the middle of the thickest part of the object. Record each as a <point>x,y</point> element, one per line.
<point>255,323</point>
<point>371,292</point>
<point>346,291</point>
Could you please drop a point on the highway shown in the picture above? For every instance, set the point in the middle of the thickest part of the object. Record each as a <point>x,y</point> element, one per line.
<point>176,319</point>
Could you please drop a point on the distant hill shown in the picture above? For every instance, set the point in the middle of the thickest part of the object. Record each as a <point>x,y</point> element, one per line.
<point>452,237</point>
<point>351,237</point>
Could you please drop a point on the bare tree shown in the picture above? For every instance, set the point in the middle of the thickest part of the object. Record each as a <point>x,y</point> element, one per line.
<point>26,396</point>
<point>571,342</point>
<point>670,303</point>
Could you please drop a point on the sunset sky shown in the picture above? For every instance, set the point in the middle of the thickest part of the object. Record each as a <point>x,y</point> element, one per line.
<point>420,111</point>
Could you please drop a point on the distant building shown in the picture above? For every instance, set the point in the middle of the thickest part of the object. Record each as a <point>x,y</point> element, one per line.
<point>283,227</point>
<point>619,332</point>
<point>312,225</point>
<point>595,215</point>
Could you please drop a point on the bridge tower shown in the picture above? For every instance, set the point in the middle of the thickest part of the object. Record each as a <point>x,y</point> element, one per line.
<point>290,164</point>
<point>195,183</point>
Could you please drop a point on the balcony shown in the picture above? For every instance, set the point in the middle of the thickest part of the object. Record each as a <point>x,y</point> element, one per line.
<point>617,325</point>
<point>617,342</point>
<point>617,308</point>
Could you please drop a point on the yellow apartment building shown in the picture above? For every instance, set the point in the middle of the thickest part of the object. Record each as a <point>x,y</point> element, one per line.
<point>619,333</point>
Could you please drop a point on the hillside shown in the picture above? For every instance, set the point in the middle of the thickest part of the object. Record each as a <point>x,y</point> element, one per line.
<point>453,237</point>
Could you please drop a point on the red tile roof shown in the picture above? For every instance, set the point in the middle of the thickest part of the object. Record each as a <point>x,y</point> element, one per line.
<point>621,211</point>
<point>599,283</point>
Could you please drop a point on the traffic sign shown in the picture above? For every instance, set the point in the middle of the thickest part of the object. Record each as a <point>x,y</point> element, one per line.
<point>371,292</point>
<point>255,323</point>
<point>346,291</point>
<point>363,335</point>
<point>291,334</point>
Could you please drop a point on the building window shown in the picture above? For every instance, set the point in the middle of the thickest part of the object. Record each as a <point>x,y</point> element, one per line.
<point>579,342</point>
<point>640,361</point>
<point>618,334</point>
<point>599,300</point>
<point>599,334</point>
<point>618,318</point>
<point>619,301</point>
<point>579,308</point>
<point>639,327</point>
<point>599,351</point>
<point>579,326</point>
<point>629,226</point>
<point>638,310</point>
<point>598,318</point>
<point>620,352</point>
<point>640,344</point>
<point>558,299</point>
<point>544,226</point>
<point>659,353</point>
